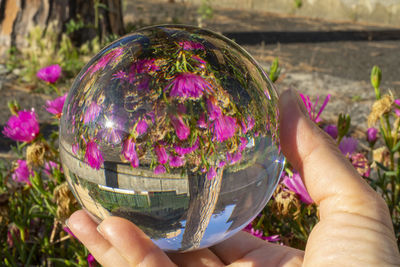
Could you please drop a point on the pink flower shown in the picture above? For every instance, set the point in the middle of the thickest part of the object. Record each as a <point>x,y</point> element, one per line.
<point>159,169</point>
<point>186,150</point>
<point>232,158</point>
<point>55,106</point>
<point>129,152</point>
<point>247,125</point>
<point>397,107</point>
<point>312,108</point>
<point>181,130</point>
<point>119,75</point>
<point>223,128</point>
<point>93,156</point>
<point>296,185</point>
<point>360,163</point>
<point>104,60</point>
<point>200,61</point>
<point>91,260</point>
<point>348,145</point>
<point>191,45</point>
<point>214,111</point>
<point>91,113</point>
<point>188,85</point>
<point>243,143</point>
<point>75,148</point>
<point>272,238</point>
<point>162,155</point>
<point>221,164</point>
<point>22,127</point>
<point>22,172</point>
<point>144,66</point>
<point>211,173</point>
<point>372,135</point>
<point>141,127</point>
<point>332,130</point>
<point>176,161</point>
<point>201,123</point>
<point>49,167</point>
<point>49,74</point>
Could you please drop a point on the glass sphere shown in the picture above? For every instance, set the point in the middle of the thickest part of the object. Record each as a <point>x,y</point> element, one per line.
<point>174,128</point>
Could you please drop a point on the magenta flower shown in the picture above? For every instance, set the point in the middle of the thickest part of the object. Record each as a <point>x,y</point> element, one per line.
<point>272,238</point>
<point>223,128</point>
<point>188,85</point>
<point>248,124</point>
<point>221,164</point>
<point>91,260</point>
<point>93,156</point>
<point>214,111</point>
<point>91,113</point>
<point>232,158</point>
<point>144,66</point>
<point>243,143</point>
<point>75,148</point>
<point>191,45</point>
<point>49,74</point>
<point>103,61</point>
<point>55,106</point>
<point>141,127</point>
<point>348,145</point>
<point>312,108</point>
<point>186,150</point>
<point>181,130</point>
<point>201,123</point>
<point>332,130</point>
<point>22,127</point>
<point>372,135</point>
<point>296,185</point>
<point>22,172</point>
<point>129,152</point>
<point>211,173</point>
<point>176,161</point>
<point>162,155</point>
<point>397,107</point>
<point>160,169</point>
<point>360,163</point>
<point>119,75</point>
<point>49,167</point>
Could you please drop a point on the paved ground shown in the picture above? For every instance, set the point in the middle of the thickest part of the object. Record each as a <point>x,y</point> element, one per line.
<point>317,57</point>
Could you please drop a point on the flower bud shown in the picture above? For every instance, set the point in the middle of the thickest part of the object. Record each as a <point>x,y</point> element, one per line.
<point>13,106</point>
<point>372,135</point>
<point>376,76</point>
<point>332,130</point>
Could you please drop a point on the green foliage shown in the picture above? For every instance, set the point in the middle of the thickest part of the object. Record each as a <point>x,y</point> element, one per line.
<point>298,3</point>
<point>274,70</point>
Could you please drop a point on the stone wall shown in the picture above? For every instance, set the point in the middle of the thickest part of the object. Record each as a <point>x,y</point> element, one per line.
<point>371,11</point>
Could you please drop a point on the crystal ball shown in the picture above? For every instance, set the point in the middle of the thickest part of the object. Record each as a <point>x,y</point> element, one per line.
<point>174,128</point>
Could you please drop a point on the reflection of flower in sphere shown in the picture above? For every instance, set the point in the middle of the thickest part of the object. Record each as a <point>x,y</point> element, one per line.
<point>162,155</point>
<point>181,130</point>
<point>223,128</point>
<point>188,85</point>
<point>129,152</point>
<point>91,113</point>
<point>191,45</point>
<point>93,155</point>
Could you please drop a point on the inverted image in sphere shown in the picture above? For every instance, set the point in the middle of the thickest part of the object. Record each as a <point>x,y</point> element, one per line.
<point>174,128</point>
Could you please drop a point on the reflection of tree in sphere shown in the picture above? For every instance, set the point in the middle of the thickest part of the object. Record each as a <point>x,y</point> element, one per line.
<point>175,129</point>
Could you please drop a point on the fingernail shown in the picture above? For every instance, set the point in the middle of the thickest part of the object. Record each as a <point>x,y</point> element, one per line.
<point>290,99</point>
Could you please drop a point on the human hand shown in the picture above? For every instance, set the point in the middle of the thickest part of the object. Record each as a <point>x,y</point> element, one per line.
<point>355,228</point>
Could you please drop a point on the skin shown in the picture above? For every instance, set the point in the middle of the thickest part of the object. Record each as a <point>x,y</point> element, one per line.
<point>355,227</point>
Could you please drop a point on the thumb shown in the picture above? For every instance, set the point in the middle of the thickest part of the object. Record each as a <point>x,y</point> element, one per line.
<point>328,176</point>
